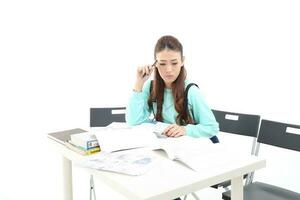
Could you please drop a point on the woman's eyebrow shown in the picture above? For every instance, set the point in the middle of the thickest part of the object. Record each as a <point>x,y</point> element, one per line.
<point>166,60</point>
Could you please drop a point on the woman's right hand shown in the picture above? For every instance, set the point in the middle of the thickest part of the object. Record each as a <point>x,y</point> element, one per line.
<point>142,75</point>
<point>144,72</point>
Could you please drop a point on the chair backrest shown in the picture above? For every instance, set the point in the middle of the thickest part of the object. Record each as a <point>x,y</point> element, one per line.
<point>237,123</point>
<point>279,134</point>
<point>104,116</point>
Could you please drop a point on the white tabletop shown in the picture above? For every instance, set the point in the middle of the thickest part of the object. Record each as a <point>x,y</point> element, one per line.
<point>170,179</point>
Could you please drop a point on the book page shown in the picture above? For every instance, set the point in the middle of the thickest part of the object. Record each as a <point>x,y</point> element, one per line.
<point>118,125</point>
<point>193,152</point>
<point>196,158</point>
<point>167,149</point>
<point>159,128</point>
<point>156,127</point>
<point>119,139</point>
<point>174,147</point>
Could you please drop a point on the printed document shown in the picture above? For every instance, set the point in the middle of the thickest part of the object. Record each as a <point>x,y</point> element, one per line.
<point>131,162</point>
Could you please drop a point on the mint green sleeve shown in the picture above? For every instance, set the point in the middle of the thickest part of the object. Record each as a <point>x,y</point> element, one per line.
<point>206,124</point>
<point>137,110</point>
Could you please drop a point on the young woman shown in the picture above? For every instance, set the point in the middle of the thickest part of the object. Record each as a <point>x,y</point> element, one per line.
<point>166,98</point>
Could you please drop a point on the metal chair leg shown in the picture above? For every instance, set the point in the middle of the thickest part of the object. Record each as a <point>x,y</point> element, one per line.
<point>92,188</point>
<point>195,196</point>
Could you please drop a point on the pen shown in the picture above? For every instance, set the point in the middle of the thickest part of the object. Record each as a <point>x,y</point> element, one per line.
<point>153,65</point>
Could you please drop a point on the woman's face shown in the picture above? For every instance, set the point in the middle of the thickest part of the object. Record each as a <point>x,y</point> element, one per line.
<point>169,64</point>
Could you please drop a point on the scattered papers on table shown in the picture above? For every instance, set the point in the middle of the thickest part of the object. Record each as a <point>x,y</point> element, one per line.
<point>129,162</point>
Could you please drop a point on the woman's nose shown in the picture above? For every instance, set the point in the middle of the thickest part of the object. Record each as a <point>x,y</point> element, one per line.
<point>169,68</point>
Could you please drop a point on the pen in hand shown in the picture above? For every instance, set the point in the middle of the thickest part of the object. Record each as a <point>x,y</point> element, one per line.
<point>150,69</point>
<point>153,65</point>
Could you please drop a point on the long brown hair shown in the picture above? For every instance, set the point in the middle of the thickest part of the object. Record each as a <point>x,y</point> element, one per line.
<point>178,87</point>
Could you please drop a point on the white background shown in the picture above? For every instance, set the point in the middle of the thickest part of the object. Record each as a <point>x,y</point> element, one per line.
<point>59,58</point>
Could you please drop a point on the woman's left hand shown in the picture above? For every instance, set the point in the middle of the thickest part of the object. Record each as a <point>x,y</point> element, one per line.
<point>174,131</point>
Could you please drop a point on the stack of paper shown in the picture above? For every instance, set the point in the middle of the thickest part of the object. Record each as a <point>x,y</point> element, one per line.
<point>84,140</point>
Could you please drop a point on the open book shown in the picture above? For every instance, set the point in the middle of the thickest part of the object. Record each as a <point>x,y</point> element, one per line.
<point>119,136</point>
<point>192,152</point>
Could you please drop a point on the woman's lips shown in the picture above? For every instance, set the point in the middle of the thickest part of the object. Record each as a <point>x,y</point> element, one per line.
<point>169,76</point>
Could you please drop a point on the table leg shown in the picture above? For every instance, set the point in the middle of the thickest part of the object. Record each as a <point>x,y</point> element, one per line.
<point>67,179</point>
<point>237,188</point>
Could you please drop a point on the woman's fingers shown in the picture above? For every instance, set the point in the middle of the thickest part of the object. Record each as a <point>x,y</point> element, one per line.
<point>147,69</point>
<point>174,131</point>
<point>169,130</point>
<point>178,134</point>
<point>144,71</point>
<point>140,71</point>
<point>151,67</point>
<point>142,75</point>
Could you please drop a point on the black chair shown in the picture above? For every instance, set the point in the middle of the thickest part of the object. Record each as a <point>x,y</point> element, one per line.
<point>238,124</point>
<point>101,117</point>
<point>275,134</point>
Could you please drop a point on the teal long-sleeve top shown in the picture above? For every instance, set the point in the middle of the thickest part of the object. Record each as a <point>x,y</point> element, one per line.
<point>138,111</point>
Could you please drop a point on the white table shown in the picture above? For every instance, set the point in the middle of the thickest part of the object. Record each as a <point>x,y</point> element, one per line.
<point>167,179</point>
